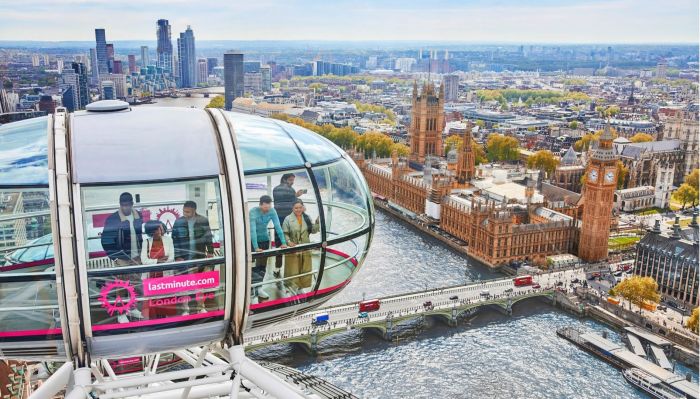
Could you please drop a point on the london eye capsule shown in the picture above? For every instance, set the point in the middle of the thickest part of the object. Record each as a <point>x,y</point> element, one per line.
<point>128,231</point>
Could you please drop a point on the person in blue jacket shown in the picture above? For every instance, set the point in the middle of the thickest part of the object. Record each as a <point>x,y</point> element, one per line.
<point>260,217</point>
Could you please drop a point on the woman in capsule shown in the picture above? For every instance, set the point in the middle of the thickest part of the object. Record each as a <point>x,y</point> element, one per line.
<point>297,228</point>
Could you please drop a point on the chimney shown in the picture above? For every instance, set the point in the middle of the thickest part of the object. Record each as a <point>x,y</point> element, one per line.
<point>657,227</point>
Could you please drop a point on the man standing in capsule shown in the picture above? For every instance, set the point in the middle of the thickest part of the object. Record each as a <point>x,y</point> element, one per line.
<point>121,239</point>
<point>121,236</point>
<point>284,197</point>
<point>192,236</point>
<point>192,240</point>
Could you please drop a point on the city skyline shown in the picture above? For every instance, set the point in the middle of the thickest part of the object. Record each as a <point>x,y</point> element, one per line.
<point>537,21</point>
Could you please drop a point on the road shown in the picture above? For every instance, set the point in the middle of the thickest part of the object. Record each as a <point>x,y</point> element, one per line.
<point>347,315</point>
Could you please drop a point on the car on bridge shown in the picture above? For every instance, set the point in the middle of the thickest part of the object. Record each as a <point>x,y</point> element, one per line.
<point>363,315</point>
<point>454,298</point>
<point>320,319</point>
<point>428,305</point>
<point>536,286</point>
<point>485,293</point>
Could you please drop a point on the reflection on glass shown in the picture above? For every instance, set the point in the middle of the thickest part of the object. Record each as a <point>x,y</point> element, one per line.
<point>25,231</point>
<point>263,144</point>
<point>315,148</point>
<point>342,260</point>
<point>24,153</point>
<point>343,197</point>
<point>156,241</point>
<point>115,218</point>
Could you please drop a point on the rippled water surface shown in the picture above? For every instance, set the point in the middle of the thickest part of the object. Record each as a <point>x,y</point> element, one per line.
<point>488,356</point>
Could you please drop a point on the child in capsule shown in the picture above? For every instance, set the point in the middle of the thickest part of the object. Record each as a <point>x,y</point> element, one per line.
<point>297,228</point>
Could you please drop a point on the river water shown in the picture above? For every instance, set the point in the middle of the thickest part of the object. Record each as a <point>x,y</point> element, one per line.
<point>489,356</point>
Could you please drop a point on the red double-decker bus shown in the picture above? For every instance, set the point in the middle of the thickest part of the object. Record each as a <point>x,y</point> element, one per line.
<point>522,281</point>
<point>369,305</point>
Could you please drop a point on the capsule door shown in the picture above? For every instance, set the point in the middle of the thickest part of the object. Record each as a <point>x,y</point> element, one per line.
<point>151,232</point>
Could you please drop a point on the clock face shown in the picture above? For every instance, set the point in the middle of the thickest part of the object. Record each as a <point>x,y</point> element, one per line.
<point>593,175</point>
<point>609,176</point>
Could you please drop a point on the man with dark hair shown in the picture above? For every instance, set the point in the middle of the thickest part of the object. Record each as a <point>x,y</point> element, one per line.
<point>121,239</point>
<point>284,196</point>
<point>121,236</point>
<point>191,234</point>
<point>260,217</point>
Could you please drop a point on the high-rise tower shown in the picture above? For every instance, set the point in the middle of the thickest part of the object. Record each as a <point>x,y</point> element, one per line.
<point>101,50</point>
<point>598,197</point>
<point>233,77</point>
<point>187,58</point>
<point>427,122</point>
<point>164,50</point>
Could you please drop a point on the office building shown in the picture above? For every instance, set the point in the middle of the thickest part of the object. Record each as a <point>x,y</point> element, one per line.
<point>107,90</point>
<point>47,104</point>
<point>251,66</point>
<point>119,82</point>
<point>252,83</point>
<point>164,50</point>
<point>132,63</point>
<point>110,57</point>
<point>266,76</point>
<point>233,77</point>
<point>117,67</point>
<point>83,88</point>
<point>145,61</point>
<point>187,59</point>
<point>211,64</point>
<point>202,71</point>
<point>451,87</point>
<point>672,260</point>
<point>94,73</point>
<point>101,51</point>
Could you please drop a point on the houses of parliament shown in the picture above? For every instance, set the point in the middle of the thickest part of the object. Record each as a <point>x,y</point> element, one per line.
<point>504,214</point>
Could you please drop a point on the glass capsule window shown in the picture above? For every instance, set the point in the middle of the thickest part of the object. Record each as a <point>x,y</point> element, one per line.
<point>312,248</point>
<point>155,254</point>
<point>29,308</point>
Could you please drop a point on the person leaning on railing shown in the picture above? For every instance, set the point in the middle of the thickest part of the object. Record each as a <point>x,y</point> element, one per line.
<point>297,228</point>
<point>260,217</point>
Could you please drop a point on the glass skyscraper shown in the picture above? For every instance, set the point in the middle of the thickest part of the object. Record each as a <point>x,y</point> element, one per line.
<point>101,50</point>
<point>164,50</point>
<point>233,77</point>
<point>187,59</point>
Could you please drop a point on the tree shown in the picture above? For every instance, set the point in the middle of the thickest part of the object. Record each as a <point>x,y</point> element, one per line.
<point>637,290</point>
<point>686,194</point>
<point>374,142</point>
<point>452,142</point>
<point>641,138</point>
<point>622,172</point>
<point>480,123</point>
<point>692,322</point>
<point>543,160</point>
<point>692,179</point>
<point>502,148</point>
<point>216,102</point>
<point>573,124</point>
<point>479,153</point>
<point>402,150</point>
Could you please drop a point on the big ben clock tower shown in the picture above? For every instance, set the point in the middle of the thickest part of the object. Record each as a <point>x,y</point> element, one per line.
<point>601,182</point>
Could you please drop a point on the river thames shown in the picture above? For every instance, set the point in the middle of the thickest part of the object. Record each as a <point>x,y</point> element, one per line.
<point>488,356</point>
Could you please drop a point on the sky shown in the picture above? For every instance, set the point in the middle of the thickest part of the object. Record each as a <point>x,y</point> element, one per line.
<point>478,21</point>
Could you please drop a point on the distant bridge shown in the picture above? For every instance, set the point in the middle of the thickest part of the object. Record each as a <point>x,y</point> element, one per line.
<point>447,304</point>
